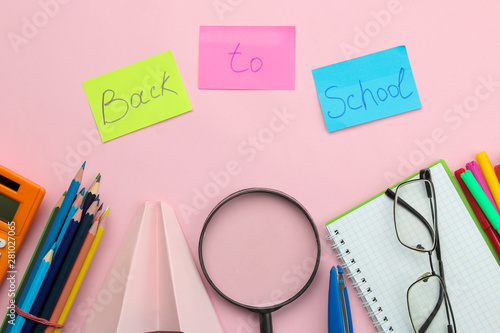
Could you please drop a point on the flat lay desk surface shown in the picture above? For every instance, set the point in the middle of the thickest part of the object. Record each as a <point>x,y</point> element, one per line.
<point>237,139</point>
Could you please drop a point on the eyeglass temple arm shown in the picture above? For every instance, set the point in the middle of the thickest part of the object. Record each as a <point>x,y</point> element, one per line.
<point>390,193</point>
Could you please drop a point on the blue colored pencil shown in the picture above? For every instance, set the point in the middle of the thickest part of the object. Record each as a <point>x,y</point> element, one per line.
<point>61,278</point>
<point>74,208</point>
<point>54,230</point>
<point>91,194</point>
<point>33,291</point>
<point>69,240</point>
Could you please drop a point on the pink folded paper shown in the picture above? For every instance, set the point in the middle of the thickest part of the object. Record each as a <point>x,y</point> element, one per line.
<point>253,57</point>
<point>162,290</point>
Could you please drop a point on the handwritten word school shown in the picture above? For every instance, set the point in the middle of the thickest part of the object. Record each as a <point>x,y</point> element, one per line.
<point>365,95</point>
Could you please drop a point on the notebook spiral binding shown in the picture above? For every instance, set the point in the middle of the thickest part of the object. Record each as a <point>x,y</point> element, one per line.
<point>365,292</point>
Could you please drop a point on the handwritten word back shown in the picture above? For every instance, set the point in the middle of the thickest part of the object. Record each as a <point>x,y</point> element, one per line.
<point>368,88</point>
<point>239,57</point>
<point>137,96</point>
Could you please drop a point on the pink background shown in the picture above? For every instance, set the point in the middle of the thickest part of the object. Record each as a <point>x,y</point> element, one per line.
<point>47,127</point>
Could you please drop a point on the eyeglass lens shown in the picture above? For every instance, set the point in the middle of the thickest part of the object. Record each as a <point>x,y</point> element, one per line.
<point>415,231</point>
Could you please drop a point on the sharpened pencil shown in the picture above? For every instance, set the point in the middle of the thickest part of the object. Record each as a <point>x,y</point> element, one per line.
<point>39,246</point>
<point>57,262</point>
<point>83,270</point>
<point>56,226</point>
<point>74,208</point>
<point>33,291</point>
<point>91,194</point>
<point>73,274</point>
<point>44,308</point>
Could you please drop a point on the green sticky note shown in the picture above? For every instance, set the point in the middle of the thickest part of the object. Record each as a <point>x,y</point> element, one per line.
<point>137,96</point>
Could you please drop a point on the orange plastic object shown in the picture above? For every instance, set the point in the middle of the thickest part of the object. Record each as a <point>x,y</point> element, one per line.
<point>22,196</point>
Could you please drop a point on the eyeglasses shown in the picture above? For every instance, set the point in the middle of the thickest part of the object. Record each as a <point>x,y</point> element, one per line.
<point>415,220</point>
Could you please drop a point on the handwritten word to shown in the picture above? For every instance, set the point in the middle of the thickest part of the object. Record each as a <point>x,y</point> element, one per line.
<point>137,96</point>
<point>246,57</point>
<point>381,93</point>
<point>251,62</point>
<point>367,88</point>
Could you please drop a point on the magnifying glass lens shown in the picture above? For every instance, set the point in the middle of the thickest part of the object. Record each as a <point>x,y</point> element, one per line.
<point>259,249</point>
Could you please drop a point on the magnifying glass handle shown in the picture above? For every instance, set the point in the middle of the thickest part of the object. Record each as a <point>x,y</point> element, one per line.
<point>266,324</point>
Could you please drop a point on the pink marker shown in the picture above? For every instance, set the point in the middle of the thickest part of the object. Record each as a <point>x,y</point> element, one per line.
<point>476,171</point>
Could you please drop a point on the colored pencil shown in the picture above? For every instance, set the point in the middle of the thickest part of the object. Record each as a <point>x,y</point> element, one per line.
<point>54,269</point>
<point>56,286</point>
<point>497,171</point>
<point>485,224</point>
<point>27,274</point>
<point>41,241</point>
<point>91,194</point>
<point>73,274</point>
<point>33,291</point>
<point>83,270</point>
<point>74,208</point>
<point>56,226</point>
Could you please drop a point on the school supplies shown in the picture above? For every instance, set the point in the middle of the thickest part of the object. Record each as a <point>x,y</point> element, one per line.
<point>53,232</point>
<point>274,232</point>
<point>78,272</point>
<point>493,236</point>
<point>35,287</point>
<point>153,281</point>
<point>52,217</point>
<point>489,175</point>
<point>478,174</point>
<point>57,283</point>
<point>382,269</point>
<point>481,199</point>
<point>339,311</point>
<point>19,202</point>
<point>64,235</point>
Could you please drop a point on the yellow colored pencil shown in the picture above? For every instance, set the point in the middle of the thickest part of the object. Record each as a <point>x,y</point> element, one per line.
<point>83,270</point>
<point>70,282</point>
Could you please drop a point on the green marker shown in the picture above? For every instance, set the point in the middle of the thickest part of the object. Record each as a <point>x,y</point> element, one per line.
<point>481,199</point>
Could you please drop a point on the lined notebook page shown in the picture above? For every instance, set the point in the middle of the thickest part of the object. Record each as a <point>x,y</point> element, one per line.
<point>472,274</point>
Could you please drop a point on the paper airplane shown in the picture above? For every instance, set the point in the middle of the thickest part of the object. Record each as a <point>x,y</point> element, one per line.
<point>162,290</point>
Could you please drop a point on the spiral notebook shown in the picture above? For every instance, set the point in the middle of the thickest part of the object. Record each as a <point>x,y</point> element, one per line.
<point>381,269</point>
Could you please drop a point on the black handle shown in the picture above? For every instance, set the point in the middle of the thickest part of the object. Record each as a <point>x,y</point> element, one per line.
<point>266,324</point>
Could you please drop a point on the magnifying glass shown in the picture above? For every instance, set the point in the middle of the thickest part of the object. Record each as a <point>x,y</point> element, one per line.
<point>260,250</point>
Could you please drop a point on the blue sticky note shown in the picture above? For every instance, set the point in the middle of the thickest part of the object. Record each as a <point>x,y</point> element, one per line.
<point>367,88</point>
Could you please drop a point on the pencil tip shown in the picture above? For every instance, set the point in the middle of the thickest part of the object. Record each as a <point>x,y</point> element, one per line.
<point>83,165</point>
<point>107,211</point>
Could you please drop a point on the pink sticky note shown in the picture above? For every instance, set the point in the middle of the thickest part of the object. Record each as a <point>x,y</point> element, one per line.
<point>247,58</point>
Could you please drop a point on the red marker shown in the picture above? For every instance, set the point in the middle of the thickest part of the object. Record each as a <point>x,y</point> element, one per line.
<point>497,171</point>
<point>492,234</point>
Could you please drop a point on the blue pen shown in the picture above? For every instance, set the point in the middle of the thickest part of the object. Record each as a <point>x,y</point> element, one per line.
<point>335,319</point>
<point>344,302</point>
